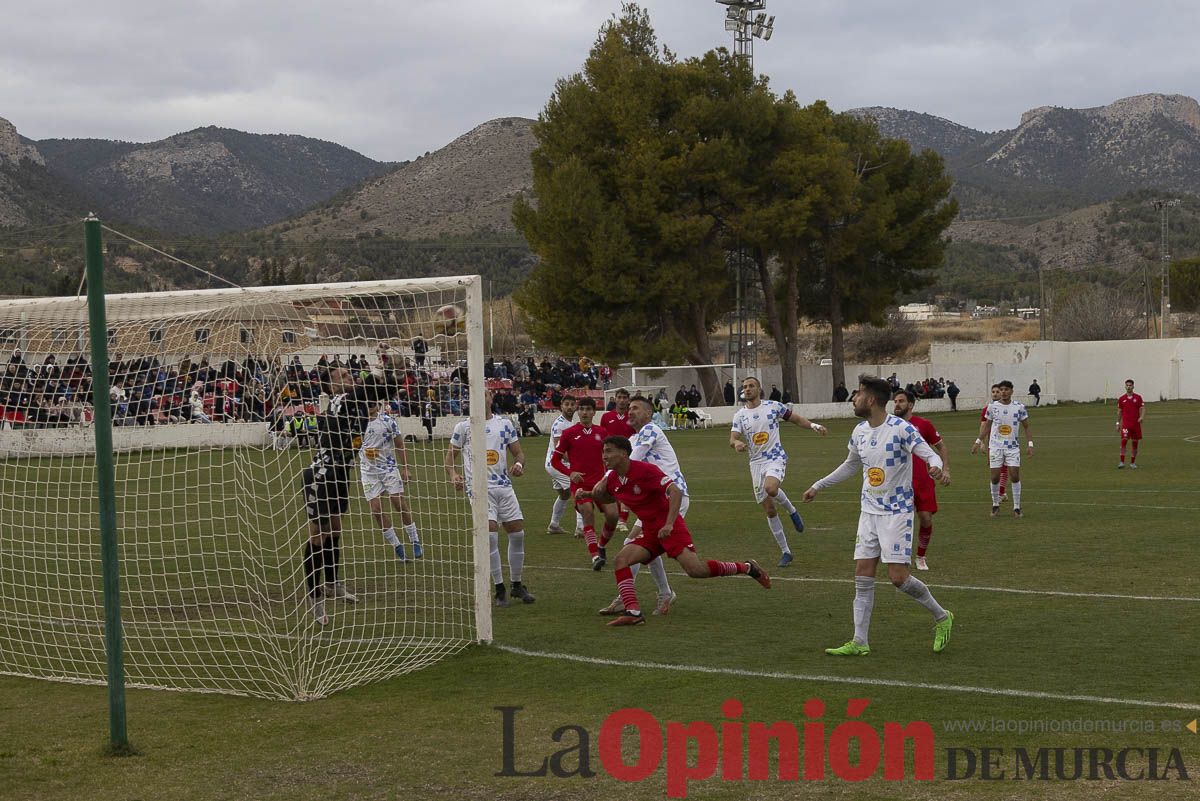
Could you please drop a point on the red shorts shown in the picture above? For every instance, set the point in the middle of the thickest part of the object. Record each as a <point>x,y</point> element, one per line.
<point>679,541</point>
<point>587,484</point>
<point>925,497</point>
<point>1131,431</point>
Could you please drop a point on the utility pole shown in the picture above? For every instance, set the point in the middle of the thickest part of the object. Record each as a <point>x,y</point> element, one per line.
<point>1042,303</point>
<point>1165,256</point>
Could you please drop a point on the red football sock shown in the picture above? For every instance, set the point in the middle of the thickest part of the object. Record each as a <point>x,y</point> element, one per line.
<point>923,537</point>
<point>624,577</point>
<point>589,536</point>
<point>606,534</point>
<point>1123,442</point>
<point>623,515</point>
<point>1133,456</point>
<point>1003,479</point>
<point>716,568</point>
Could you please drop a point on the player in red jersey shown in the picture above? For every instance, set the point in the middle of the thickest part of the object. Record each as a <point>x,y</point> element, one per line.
<point>1003,467</point>
<point>1131,410</point>
<point>653,497</point>
<point>616,423</point>
<point>924,494</point>
<point>581,445</point>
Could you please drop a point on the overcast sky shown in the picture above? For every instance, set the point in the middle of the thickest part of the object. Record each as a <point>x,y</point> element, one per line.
<point>395,79</point>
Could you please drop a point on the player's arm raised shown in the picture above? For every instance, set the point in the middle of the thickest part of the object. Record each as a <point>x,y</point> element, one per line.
<point>518,466</point>
<point>804,422</point>
<point>847,469</point>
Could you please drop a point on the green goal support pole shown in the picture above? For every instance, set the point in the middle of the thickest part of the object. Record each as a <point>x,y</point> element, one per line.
<point>106,485</point>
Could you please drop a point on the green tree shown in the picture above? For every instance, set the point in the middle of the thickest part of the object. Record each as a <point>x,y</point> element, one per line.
<point>630,175</point>
<point>885,241</point>
<point>1185,285</point>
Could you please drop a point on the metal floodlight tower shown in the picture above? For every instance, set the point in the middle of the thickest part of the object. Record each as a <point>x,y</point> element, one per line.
<point>1165,256</point>
<point>747,20</point>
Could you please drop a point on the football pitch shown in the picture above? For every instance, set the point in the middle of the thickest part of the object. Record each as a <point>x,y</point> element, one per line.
<point>1073,660</point>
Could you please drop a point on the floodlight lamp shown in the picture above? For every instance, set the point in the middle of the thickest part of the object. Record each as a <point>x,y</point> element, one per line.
<point>742,13</point>
<point>729,2</point>
<point>758,30</point>
<point>760,18</point>
<point>731,13</point>
<point>766,37</point>
<point>731,24</point>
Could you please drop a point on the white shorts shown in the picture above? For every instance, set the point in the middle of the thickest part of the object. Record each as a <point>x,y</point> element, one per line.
<point>637,527</point>
<point>560,481</point>
<point>503,506</point>
<point>998,457</point>
<point>759,472</point>
<point>376,484</point>
<point>886,537</point>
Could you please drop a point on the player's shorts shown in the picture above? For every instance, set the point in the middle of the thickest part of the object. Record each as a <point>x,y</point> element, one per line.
<point>1131,431</point>
<point>326,492</point>
<point>925,497</point>
<point>503,506</point>
<point>999,457</point>
<point>558,480</point>
<point>587,484</point>
<point>376,484</point>
<point>637,527</point>
<point>759,472</point>
<point>888,537</point>
<point>679,541</point>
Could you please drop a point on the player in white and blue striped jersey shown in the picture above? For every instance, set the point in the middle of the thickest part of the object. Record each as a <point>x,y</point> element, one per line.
<point>881,449</point>
<point>383,467</point>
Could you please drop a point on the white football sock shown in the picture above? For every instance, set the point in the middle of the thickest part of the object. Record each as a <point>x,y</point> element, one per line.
<point>494,558</point>
<point>411,531</point>
<point>864,602</point>
<point>920,593</point>
<point>776,526</point>
<point>389,536</point>
<point>995,494</point>
<point>658,569</point>
<point>1015,489</point>
<point>560,506</point>
<point>516,554</point>
<point>784,502</point>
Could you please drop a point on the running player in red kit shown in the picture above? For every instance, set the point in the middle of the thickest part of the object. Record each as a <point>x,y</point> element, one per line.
<point>924,490</point>
<point>616,423</point>
<point>1131,410</point>
<point>653,497</point>
<point>580,445</point>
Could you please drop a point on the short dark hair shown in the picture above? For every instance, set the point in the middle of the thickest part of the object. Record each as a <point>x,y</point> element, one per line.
<point>620,443</point>
<point>912,397</point>
<point>1006,384</point>
<point>588,400</point>
<point>877,387</point>
<point>995,386</point>
<point>1128,380</point>
<point>567,398</point>
<point>643,399</point>
<point>621,391</point>
<point>750,378</point>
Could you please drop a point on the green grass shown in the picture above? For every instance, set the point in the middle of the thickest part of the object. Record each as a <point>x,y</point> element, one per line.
<point>435,733</point>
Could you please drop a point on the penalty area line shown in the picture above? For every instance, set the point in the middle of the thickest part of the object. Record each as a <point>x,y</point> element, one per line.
<point>910,685</point>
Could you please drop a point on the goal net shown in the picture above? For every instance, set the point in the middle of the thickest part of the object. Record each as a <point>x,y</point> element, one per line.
<point>220,400</point>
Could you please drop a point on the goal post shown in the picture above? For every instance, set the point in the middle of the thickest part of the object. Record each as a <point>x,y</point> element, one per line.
<point>217,398</point>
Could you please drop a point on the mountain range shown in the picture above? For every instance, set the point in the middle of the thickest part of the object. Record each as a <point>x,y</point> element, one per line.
<point>1043,193</point>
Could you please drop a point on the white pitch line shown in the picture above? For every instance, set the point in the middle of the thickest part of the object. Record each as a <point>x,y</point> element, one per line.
<point>967,587</point>
<point>914,685</point>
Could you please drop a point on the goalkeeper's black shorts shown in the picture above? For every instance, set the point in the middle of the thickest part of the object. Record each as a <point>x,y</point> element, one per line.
<point>326,492</point>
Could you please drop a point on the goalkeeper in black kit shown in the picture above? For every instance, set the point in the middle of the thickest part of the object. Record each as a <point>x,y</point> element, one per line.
<point>326,481</point>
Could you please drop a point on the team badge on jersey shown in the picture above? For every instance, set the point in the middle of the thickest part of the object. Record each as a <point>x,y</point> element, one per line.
<point>637,490</point>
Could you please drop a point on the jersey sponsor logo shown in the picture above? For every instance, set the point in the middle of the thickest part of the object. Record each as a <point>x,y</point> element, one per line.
<point>493,457</point>
<point>371,453</point>
<point>1005,430</point>
<point>875,476</point>
<point>760,438</point>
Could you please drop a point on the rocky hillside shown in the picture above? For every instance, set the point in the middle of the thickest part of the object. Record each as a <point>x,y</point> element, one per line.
<point>29,194</point>
<point>468,186</point>
<point>923,131</point>
<point>209,180</point>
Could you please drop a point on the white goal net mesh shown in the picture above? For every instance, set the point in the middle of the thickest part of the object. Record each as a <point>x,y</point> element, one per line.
<point>222,400</point>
